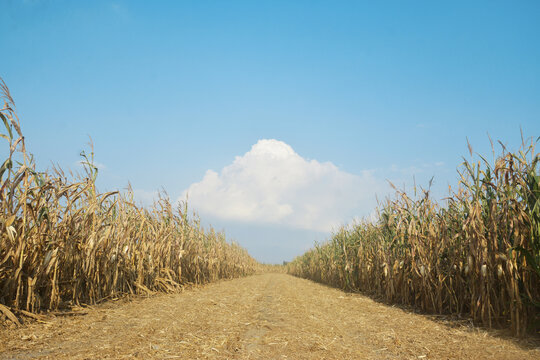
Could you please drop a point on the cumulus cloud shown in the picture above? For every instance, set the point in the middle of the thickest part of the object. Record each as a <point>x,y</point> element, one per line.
<point>272,184</point>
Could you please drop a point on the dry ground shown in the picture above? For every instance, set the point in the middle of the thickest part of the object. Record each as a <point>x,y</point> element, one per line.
<point>269,316</point>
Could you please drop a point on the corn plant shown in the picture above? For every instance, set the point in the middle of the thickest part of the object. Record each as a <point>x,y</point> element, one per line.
<point>478,255</point>
<point>65,243</point>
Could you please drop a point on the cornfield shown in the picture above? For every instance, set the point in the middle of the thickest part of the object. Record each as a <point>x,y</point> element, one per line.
<point>64,243</point>
<point>476,256</point>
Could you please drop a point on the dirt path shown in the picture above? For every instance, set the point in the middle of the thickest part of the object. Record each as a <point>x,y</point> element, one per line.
<point>270,316</point>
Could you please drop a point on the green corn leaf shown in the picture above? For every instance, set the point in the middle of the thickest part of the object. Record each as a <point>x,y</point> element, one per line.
<point>6,123</point>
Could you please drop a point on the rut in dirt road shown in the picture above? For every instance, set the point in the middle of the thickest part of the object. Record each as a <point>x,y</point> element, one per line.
<point>269,316</point>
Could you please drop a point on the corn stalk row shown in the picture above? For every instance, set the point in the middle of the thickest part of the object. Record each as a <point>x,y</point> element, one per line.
<point>64,243</point>
<point>476,256</point>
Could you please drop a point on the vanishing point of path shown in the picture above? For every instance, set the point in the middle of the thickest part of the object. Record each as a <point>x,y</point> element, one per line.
<point>269,316</point>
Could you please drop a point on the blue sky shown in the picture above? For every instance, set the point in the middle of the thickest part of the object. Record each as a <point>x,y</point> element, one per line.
<point>169,90</point>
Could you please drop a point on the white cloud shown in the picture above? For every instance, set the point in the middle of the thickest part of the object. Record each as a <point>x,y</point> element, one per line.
<point>273,184</point>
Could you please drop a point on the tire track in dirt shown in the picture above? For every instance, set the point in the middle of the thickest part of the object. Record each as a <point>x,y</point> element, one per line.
<point>258,328</point>
<point>268,316</point>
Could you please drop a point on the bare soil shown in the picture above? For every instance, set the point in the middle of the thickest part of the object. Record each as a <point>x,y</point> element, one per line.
<point>269,316</point>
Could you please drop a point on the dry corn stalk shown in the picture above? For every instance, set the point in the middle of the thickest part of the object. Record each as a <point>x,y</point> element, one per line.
<point>65,243</point>
<point>479,255</point>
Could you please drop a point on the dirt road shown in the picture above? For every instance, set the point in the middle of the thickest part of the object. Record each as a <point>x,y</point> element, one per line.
<point>269,316</point>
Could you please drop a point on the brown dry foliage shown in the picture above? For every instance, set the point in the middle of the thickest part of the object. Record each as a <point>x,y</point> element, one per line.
<point>64,243</point>
<point>478,256</point>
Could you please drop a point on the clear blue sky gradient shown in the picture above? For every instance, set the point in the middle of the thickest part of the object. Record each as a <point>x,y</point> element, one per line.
<point>170,89</point>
